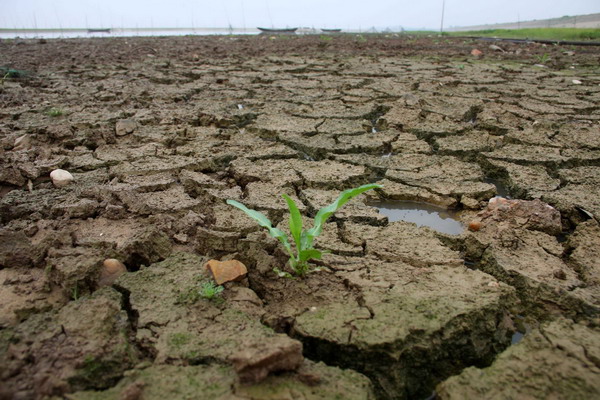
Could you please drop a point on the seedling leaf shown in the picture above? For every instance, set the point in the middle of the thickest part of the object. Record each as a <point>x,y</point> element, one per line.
<point>295,220</point>
<point>265,223</point>
<point>325,212</point>
<point>305,255</point>
<point>302,238</point>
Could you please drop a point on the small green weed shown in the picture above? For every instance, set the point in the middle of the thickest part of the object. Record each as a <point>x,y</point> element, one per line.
<point>543,59</point>
<point>4,78</point>
<point>302,238</point>
<point>75,292</point>
<point>55,112</point>
<point>201,289</point>
<point>209,290</point>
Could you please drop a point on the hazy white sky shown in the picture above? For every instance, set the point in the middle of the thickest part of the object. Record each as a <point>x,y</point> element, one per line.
<point>345,14</point>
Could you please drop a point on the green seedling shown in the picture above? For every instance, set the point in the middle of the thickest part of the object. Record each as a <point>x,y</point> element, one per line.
<point>4,78</point>
<point>303,239</point>
<point>209,290</point>
<point>55,112</point>
<point>543,59</point>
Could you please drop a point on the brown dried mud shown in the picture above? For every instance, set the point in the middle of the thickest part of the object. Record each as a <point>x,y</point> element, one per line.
<point>159,132</point>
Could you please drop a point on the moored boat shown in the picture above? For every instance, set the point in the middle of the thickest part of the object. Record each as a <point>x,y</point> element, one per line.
<point>277,30</point>
<point>102,30</point>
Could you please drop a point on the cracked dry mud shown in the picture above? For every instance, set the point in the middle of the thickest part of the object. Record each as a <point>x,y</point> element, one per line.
<point>159,132</point>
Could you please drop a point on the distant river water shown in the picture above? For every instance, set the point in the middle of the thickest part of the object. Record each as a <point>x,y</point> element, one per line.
<point>84,33</point>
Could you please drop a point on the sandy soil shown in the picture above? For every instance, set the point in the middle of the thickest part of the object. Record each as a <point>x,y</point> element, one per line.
<point>159,132</point>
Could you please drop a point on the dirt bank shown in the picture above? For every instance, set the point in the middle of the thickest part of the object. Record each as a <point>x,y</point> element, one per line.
<point>159,132</point>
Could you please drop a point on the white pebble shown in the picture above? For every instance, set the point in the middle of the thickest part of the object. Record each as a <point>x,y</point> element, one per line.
<point>60,177</point>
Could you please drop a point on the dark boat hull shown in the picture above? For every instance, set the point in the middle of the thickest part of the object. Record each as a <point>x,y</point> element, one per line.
<point>287,30</point>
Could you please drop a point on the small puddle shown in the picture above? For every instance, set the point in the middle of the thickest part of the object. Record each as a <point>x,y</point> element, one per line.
<point>501,190</point>
<point>523,328</point>
<point>422,214</point>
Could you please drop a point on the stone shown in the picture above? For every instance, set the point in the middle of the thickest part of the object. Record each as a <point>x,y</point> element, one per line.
<point>474,225</point>
<point>125,126</point>
<point>226,271</point>
<point>110,271</point>
<point>255,362</point>
<point>61,178</point>
<point>476,52</point>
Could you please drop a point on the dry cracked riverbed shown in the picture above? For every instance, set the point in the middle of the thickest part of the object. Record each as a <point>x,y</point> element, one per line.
<point>159,132</point>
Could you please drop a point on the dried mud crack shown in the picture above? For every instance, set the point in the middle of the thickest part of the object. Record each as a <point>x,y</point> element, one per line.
<point>158,132</point>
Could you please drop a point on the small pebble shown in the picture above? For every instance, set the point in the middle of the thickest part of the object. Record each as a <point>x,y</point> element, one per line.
<point>111,270</point>
<point>474,226</point>
<point>576,82</point>
<point>60,177</point>
<point>125,126</point>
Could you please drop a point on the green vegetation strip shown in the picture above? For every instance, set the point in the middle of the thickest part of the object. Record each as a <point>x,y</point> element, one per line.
<point>535,33</point>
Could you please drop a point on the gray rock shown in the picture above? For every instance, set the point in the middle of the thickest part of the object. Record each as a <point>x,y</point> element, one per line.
<point>125,126</point>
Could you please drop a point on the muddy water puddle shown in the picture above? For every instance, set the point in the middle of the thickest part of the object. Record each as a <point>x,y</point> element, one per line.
<point>422,214</point>
<point>523,328</point>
